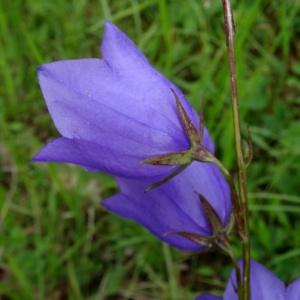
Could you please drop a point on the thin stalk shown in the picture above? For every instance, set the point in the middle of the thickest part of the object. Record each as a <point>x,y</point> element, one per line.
<point>242,180</point>
<point>225,246</point>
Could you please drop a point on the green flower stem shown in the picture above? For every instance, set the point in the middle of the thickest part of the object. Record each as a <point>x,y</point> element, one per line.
<point>242,180</point>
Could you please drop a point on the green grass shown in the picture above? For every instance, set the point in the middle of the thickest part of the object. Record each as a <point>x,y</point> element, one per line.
<point>56,242</point>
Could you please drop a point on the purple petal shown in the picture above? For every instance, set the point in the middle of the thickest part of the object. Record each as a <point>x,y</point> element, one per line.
<point>158,214</point>
<point>94,157</point>
<point>293,291</point>
<point>174,206</point>
<point>208,297</point>
<point>264,285</point>
<point>120,52</point>
<point>129,64</point>
<point>93,99</point>
<point>203,178</point>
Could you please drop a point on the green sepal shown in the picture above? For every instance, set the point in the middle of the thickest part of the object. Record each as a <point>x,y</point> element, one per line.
<point>212,216</point>
<point>177,171</point>
<point>170,159</point>
<point>186,122</point>
<point>206,241</point>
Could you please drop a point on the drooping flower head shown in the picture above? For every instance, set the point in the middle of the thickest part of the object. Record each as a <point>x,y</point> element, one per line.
<point>264,286</point>
<point>113,113</point>
<point>175,207</point>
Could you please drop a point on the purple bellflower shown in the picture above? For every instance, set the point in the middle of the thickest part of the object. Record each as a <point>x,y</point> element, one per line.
<point>118,112</point>
<point>264,286</point>
<point>174,207</point>
<point>115,112</point>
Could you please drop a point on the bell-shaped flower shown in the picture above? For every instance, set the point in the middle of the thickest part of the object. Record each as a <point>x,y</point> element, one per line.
<point>264,286</point>
<point>114,112</point>
<point>173,211</point>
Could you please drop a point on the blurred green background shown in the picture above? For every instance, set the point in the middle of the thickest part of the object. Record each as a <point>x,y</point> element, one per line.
<point>56,242</point>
